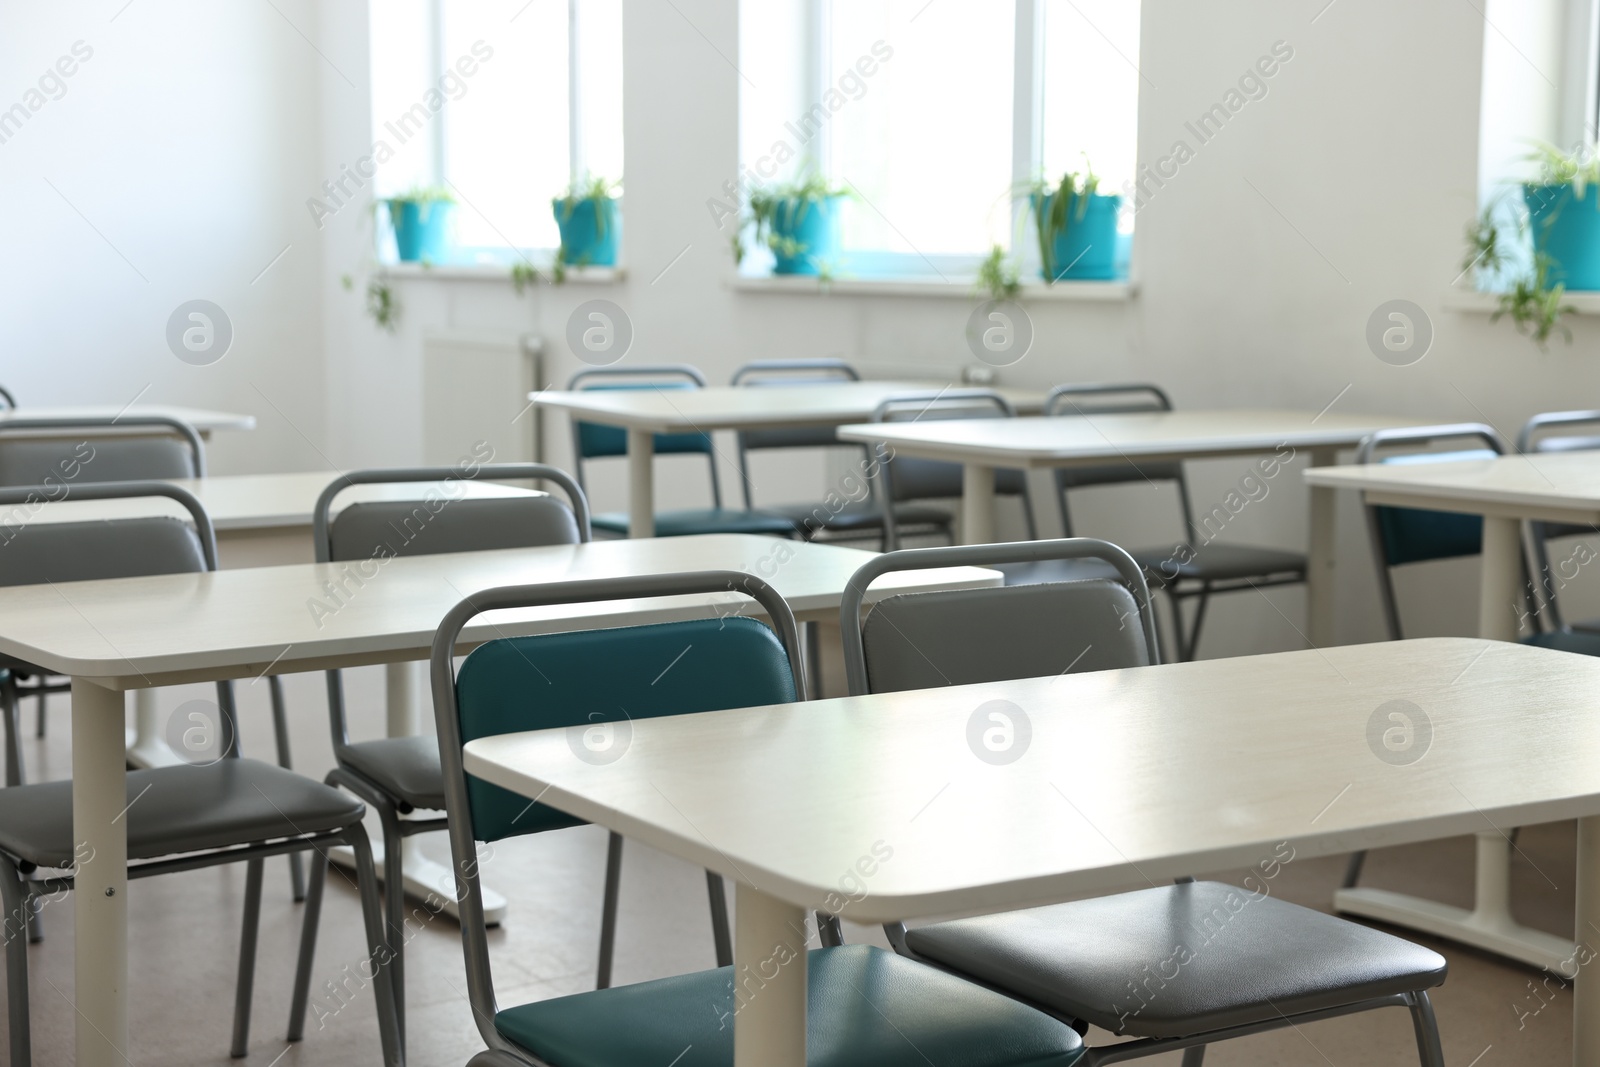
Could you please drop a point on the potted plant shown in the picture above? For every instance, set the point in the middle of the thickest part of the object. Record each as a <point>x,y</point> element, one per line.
<point>1564,214</point>
<point>587,216</point>
<point>1077,227</point>
<point>421,221</point>
<point>799,222</point>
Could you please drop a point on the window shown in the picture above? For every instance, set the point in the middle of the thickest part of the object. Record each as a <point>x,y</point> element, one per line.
<point>503,103</point>
<point>935,116</point>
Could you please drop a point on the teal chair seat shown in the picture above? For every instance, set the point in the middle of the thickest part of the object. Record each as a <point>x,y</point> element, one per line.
<point>685,521</point>
<point>866,1008</point>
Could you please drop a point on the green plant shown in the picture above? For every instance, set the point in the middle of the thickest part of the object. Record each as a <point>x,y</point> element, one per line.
<point>1053,205</point>
<point>381,302</point>
<point>999,276</point>
<point>424,194</point>
<point>524,274</point>
<point>1534,305</point>
<point>1578,168</point>
<point>764,203</point>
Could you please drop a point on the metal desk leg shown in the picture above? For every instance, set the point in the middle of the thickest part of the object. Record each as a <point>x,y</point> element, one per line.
<point>769,984</point>
<point>977,504</point>
<point>99,800</point>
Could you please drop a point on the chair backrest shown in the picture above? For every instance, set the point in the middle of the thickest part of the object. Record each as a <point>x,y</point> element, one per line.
<point>7,399</point>
<point>32,553</point>
<point>35,450</point>
<point>782,372</point>
<point>1415,535</point>
<point>1087,399</point>
<point>907,478</point>
<point>592,683</point>
<point>443,523</point>
<point>1532,437</point>
<point>595,441</point>
<point>958,637</point>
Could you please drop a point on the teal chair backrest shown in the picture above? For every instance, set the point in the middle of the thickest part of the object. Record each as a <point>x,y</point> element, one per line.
<point>595,682</point>
<point>1415,535</point>
<point>598,442</point>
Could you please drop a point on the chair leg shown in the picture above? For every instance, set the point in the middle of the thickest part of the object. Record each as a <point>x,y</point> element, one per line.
<point>1352,870</point>
<point>18,908</point>
<point>1429,1050</point>
<point>13,716</point>
<point>280,728</point>
<point>40,718</point>
<point>250,927</point>
<point>720,937</point>
<point>381,953</point>
<point>394,909</point>
<point>1199,618</point>
<point>308,945</point>
<point>813,639</point>
<point>1176,605</point>
<point>1194,1056</point>
<point>608,910</point>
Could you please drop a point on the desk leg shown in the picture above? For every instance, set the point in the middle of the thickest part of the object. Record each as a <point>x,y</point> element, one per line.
<point>1320,553</point>
<point>769,984</point>
<point>1500,584</point>
<point>1586,990</point>
<point>99,800</point>
<point>977,504</point>
<point>641,484</point>
<point>149,747</point>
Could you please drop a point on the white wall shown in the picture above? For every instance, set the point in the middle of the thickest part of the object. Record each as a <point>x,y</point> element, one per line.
<point>169,170</point>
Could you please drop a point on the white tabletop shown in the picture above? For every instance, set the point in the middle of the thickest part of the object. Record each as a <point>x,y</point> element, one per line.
<point>137,632</point>
<point>201,419</point>
<point>733,408</point>
<point>240,502</point>
<point>1130,777</point>
<point>1551,485</point>
<point>1046,442</point>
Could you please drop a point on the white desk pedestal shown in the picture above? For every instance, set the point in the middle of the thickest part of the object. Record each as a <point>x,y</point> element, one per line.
<point>100,836</point>
<point>405,683</point>
<point>977,504</point>
<point>769,1028</point>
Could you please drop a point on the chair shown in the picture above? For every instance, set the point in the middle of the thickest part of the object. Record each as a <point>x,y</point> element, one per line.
<point>904,478</point>
<point>842,514</point>
<point>1280,965</point>
<point>1532,439</point>
<point>866,1005</point>
<point>188,816</point>
<point>1197,567</point>
<point>594,441</point>
<point>9,401</point>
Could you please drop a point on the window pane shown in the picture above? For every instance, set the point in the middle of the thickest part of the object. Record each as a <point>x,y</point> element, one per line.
<point>1091,88</point>
<point>926,138</point>
<point>506,131</point>
<point>402,60</point>
<point>600,87</point>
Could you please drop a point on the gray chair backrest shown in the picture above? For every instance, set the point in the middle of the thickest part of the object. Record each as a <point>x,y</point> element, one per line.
<point>444,524</point>
<point>1114,398</point>
<point>779,373</point>
<point>907,478</point>
<point>959,637</point>
<point>7,399</point>
<point>1531,437</point>
<point>596,440</point>
<point>35,450</point>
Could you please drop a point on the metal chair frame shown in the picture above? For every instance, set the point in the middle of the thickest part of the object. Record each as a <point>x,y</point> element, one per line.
<point>1530,440</point>
<point>658,372</point>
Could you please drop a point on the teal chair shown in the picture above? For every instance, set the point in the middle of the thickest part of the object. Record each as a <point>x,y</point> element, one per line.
<point>867,1006</point>
<point>594,441</point>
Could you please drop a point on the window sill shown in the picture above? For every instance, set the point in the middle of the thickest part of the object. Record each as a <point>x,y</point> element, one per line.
<point>1474,300</point>
<point>1093,292</point>
<point>490,272</point>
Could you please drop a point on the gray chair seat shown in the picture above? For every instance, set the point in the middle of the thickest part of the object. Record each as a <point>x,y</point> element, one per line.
<point>867,1008</point>
<point>684,522</point>
<point>1217,563</point>
<point>1137,963</point>
<point>180,809</point>
<point>864,516</point>
<point>406,767</point>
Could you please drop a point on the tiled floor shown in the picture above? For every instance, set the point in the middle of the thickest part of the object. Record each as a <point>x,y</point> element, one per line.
<point>185,930</point>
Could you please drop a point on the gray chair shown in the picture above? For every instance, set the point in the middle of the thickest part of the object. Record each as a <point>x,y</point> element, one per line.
<point>1535,437</point>
<point>1280,965</point>
<point>866,1005</point>
<point>850,519</point>
<point>1198,567</point>
<point>9,401</point>
<point>904,479</point>
<point>398,776</point>
<point>190,816</point>
<point>595,441</point>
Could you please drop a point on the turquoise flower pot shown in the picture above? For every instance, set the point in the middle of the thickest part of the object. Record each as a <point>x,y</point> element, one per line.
<point>588,231</point>
<point>807,234</point>
<point>1567,229</point>
<point>1087,248</point>
<point>421,228</point>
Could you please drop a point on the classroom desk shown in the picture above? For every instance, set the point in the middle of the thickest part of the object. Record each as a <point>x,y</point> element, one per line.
<point>646,412</point>
<point>984,445</point>
<point>133,633</point>
<point>206,422</point>
<point>1554,487</point>
<point>1132,777</point>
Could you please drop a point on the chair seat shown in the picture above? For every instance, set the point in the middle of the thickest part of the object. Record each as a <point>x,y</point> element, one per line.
<point>1580,642</point>
<point>863,516</point>
<point>404,767</point>
<point>1179,960</point>
<point>1170,564</point>
<point>867,1008</point>
<point>688,521</point>
<point>180,809</point>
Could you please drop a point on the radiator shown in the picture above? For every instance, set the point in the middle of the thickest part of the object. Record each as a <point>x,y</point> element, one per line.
<point>475,388</point>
